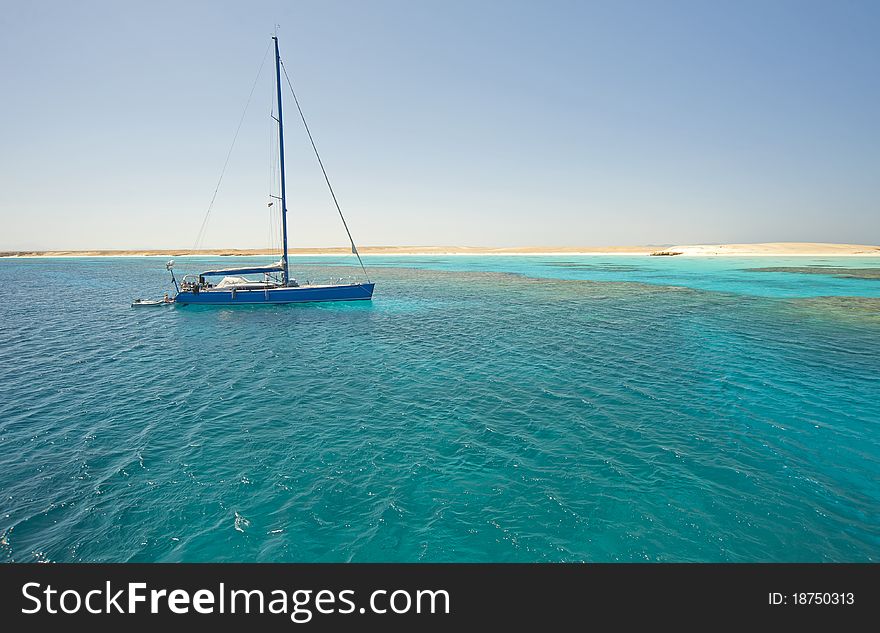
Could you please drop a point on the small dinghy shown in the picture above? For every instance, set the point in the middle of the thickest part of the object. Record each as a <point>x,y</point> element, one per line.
<point>143,303</point>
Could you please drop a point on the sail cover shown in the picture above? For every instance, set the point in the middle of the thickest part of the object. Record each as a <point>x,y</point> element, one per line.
<point>253,270</point>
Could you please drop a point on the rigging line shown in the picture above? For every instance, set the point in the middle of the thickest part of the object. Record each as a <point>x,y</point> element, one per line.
<point>271,177</point>
<point>274,157</point>
<point>324,171</point>
<point>200,236</point>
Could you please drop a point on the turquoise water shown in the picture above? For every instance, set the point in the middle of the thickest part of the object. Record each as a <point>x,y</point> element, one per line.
<point>479,409</point>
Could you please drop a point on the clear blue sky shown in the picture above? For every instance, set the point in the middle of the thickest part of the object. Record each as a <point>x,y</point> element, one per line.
<point>474,123</point>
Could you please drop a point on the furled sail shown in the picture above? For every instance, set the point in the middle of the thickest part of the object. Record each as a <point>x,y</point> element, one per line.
<point>253,270</point>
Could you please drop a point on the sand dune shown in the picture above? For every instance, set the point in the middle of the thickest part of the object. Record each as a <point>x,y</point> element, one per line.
<point>771,248</point>
<point>779,248</point>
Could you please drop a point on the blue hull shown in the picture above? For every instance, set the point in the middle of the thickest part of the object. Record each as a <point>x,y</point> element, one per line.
<point>303,294</point>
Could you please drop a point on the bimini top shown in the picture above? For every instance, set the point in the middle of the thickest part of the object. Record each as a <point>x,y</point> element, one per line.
<point>254,270</point>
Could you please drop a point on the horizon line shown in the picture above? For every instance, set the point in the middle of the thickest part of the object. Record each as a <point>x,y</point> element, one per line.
<point>739,249</point>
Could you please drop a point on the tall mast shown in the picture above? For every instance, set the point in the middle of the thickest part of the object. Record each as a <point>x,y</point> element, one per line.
<point>285,275</point>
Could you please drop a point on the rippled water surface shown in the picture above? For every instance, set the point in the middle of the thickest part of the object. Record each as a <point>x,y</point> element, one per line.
<point>479,409</point>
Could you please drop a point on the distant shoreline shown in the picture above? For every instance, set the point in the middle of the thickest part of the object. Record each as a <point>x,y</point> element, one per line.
<point>788,249</point>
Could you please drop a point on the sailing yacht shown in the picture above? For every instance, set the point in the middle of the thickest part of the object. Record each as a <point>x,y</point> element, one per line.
<point>275,285</point>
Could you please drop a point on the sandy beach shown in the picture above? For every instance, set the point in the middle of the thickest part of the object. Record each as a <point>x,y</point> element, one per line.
<point>815,249</point>
<point>787,249</point>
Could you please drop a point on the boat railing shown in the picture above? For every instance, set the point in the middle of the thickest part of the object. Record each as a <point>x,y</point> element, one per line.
<point>332,281</point>
<point>191,282</point>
